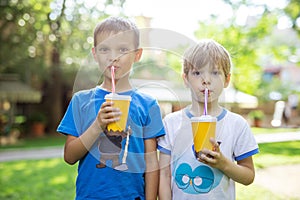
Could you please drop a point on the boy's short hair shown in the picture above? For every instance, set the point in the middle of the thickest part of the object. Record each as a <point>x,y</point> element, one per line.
<point>117,25</point>
<point>207,51</point>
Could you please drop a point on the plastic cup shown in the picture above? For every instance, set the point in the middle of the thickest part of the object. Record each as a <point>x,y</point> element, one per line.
<point>122,102</point>
<point>204,128</point>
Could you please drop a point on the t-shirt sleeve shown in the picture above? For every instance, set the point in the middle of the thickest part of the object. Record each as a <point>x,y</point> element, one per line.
<point>154,126</point>
<point>246,144</point>
<point>164,143</point>
<point>67,125</point>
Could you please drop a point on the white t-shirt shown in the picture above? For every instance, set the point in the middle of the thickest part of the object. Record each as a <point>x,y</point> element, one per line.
<point>192,179</point>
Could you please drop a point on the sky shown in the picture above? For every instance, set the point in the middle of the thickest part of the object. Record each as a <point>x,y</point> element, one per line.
<point>182,16</point>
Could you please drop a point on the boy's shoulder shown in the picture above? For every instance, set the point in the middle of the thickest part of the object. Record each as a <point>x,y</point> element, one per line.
<point>88,95</point>
<point>235,119</point>
<point>141,96</point>
<point>234,115</point>
<point>83,93</point>
<point>175,116</point>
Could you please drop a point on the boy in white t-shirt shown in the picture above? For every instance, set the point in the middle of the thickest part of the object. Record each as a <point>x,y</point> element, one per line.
<point>206,66</point>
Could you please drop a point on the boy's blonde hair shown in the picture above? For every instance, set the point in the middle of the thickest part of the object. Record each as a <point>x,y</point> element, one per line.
<point>117,25</point>
<point>207,51</point>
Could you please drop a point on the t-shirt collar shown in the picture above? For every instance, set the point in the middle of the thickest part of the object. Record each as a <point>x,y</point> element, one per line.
<point>219,117</point>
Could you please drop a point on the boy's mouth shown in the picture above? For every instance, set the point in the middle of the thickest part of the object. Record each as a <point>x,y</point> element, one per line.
<point>110,67</point>
<point>208,92</point>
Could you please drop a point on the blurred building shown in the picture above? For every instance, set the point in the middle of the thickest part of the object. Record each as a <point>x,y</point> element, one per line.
<point>13,94</point>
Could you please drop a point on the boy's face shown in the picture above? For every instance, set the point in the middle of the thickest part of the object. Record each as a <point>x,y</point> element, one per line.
<point>208,77</point>
<point>118,50</point>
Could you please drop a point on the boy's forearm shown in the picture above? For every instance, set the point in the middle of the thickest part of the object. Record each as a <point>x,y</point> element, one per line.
<point>242,172</point>
<point>164,192</point>
<point>151,176</point>
<point>76,148</point>
<point>151,185</point>
<point>152,169</point>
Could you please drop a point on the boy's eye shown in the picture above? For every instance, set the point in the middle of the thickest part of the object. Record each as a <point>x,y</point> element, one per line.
<point>217,72</point>
<point>196,73</point>
<point>103,50</point>
<point>124,50</point>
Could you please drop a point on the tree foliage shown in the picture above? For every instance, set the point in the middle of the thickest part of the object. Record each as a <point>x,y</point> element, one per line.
<point>293,11</point>
<point>252,45</point>
<point>43,39</point>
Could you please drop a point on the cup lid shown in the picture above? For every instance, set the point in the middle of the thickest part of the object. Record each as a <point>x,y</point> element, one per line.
<point>116,96</point>
<point>204,118</point>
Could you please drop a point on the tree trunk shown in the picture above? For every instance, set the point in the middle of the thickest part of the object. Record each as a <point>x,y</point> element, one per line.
<point>54,94</point>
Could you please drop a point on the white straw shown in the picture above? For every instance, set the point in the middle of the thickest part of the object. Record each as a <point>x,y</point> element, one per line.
<point>205,100</point>
<point>126,148</point>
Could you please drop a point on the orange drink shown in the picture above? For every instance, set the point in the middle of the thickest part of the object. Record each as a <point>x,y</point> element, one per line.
<point>204,128</point>
<point>122,102</point>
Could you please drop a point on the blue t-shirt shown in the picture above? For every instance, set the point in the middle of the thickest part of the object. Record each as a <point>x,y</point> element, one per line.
<point>145,121</point>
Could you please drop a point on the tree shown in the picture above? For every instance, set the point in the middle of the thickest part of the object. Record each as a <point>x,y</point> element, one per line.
<point>292,10</point>
<point>41,40</point>
<point>249,43</point>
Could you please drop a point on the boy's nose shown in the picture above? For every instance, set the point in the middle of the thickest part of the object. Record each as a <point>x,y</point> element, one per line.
<point>206,79</point>
<point>114,56</point>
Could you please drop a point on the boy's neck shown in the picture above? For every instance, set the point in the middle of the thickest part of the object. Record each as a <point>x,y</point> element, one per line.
<point>213,109</point>
<point>121,85</point>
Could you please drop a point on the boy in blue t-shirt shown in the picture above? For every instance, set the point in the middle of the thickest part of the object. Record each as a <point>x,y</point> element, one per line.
<point>116,43</point>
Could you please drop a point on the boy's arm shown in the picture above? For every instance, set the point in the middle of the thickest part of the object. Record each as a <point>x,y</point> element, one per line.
<point>165,177</point>
<point>243,172</point>
<point>77,147</point>
<point>152,173</point>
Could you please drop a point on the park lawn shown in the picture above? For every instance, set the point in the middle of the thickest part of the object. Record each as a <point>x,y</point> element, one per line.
<point>257,130</point>
<point>279,153</point>
<point>59,140</point>
<point>48,179</point>
<point>52,179</point>
<point>31,142</point>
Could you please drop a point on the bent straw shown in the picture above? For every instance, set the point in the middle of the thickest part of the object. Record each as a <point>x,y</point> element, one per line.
<point>113,87</point>
<point>205,101</point>
<point>123,165</point>
<point>126,148</point>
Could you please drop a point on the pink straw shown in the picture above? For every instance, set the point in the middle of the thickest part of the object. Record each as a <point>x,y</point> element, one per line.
<point>205,101</point>
<point>113,88</point>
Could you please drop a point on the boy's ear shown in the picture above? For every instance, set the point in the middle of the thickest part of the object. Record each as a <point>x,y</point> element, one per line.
<point>185,80</point>
<point>138,54</point>
<point>227,80</point>
<point>94,53</point>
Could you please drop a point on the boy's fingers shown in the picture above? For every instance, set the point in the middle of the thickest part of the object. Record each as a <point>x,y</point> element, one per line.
<point>212,140</point>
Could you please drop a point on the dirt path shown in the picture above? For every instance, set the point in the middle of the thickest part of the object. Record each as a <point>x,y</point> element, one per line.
<point>280,179</point>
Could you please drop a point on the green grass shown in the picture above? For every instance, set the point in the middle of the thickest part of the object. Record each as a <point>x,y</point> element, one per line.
<point>271,154</point>
<point>57,140</point>
<point>48,179</point>
<point>273,130</point>
<point>279,153</point>
<point>51,179</point>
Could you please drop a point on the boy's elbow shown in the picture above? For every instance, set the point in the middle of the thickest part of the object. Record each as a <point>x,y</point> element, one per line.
<point>69,160</point>
<point>249,180</point>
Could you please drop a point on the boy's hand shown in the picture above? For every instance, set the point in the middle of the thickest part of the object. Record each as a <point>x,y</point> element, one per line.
<point>213,158</point>
<point>107,114</point>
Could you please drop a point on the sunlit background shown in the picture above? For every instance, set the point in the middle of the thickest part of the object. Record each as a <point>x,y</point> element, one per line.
<point>45,56</point>
<point>44,44</point>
